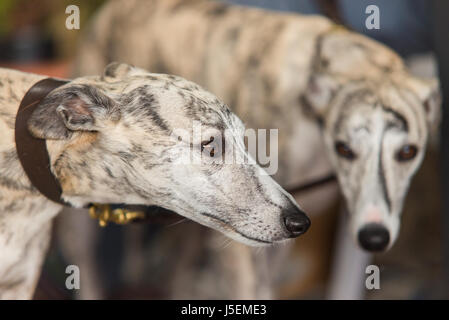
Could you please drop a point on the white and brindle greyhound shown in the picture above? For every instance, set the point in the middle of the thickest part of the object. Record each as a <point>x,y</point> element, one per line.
<point>109,141</point>
<point>343,103</point>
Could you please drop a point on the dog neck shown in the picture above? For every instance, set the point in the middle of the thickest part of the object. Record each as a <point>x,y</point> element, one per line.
<point>13,86</point>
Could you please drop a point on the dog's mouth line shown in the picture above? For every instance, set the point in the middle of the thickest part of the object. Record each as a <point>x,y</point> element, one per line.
<point>228,226</point>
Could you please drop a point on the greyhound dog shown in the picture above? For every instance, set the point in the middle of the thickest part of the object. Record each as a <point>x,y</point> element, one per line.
<point>345,99</point>
<point>109,140</point>
<point>343,103</point>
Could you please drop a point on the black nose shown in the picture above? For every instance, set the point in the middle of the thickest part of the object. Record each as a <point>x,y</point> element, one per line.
<point>374,237</point>
<point>296,222</point>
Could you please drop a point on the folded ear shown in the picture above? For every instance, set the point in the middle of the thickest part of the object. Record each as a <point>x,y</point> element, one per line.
<point>70,109</point>
<point>428,91</point>
<point>432,105</point>
<point>321,88</point>
<point>117,70</point>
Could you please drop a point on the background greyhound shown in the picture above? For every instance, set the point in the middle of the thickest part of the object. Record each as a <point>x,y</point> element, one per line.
<point>109,141</point>
<point>343,103</point>
<point>346,99</point>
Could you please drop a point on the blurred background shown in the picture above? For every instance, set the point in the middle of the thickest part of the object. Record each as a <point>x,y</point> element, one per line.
<point>33,38</point>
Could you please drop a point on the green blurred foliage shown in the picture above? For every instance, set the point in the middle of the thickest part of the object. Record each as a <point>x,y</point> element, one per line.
<point>5,9</point>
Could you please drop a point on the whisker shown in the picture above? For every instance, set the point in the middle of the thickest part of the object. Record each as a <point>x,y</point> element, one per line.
<point>177,222</point>
<point>225,244</point>
<point>259,250</point>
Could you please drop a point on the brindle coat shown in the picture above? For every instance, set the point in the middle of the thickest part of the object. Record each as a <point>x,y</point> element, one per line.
<point>109,140</point>
<point>316,82</point>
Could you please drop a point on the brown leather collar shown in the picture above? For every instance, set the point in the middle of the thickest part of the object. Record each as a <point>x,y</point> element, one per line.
<point>318,182</point>
<point>33,156</point>
<point>32,151</point>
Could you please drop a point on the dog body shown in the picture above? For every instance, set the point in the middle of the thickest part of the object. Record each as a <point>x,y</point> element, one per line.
<point>109,140</point>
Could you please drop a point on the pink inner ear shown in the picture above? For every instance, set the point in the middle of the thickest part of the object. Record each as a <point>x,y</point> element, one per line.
<point>78,106</point>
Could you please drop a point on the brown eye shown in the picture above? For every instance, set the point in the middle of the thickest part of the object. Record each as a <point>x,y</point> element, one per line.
<point>406,153</point>
<point>343,150</point>
<point>207,145</point>
<point>211,147</point>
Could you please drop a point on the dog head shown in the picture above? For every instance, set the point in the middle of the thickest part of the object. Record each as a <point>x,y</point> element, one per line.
<point>134,137</point>
<point>376,120</point>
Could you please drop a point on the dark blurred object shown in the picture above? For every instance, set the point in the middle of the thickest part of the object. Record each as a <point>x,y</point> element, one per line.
<point>157,214</point>
<point>28,45</point>
<point>25,43</point>
<point>35,31</point>
<point>110,255</point>
<point>153,214</point>
<point>47,289</point>
<point>31,50</point>
<point>24,35</point>
<point>331,10</point>
<point>441,27</point>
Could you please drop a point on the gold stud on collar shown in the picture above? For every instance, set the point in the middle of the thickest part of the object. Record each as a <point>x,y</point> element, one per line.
<point>105,214</point>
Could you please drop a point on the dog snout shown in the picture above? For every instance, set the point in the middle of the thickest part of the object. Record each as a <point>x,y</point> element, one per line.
<point>374,237</point>
<point>295,221</point>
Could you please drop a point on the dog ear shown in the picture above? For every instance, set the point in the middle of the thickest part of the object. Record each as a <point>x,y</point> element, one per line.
<point>432,105</point>
<point>319,93</point>
<point>75,108</point>
<point>428,91</point>
<point>117,70</point>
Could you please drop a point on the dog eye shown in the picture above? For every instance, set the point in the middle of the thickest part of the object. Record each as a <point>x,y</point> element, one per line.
<point>343,150</point>
<point>206,144</point>
<point>211,146</point>
<point>406,153</point>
